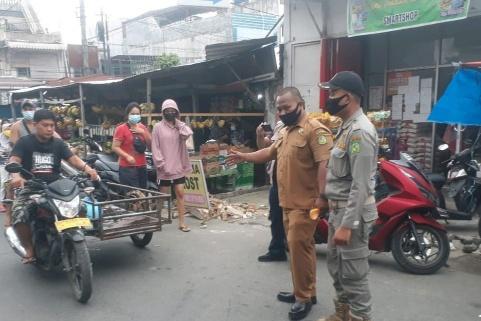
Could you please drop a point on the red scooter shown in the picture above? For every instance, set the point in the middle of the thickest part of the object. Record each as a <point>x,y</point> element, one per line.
<point>406,203</point>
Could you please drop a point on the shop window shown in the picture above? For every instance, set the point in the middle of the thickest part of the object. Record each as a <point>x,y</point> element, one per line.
<point>23,72</point>
<point>412,48</point>
<point>459,43</point>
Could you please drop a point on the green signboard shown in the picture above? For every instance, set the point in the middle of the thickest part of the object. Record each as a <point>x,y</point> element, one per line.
<point>376,16</point>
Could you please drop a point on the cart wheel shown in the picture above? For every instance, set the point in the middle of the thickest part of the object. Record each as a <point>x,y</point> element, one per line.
<point>141,240</point>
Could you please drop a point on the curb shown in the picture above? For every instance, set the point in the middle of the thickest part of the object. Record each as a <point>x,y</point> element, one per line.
<point>241,192</point>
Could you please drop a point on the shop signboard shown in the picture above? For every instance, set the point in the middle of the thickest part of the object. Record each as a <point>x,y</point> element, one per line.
<point>376,16</point>
<point>195,187</point>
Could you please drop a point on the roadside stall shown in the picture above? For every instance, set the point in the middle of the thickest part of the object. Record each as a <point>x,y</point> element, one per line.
<point>222,100</point>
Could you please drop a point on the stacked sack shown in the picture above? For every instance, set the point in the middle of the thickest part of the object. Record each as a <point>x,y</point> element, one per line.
<point>416,140</point>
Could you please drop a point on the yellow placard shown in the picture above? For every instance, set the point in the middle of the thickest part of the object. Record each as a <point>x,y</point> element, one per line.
<point>75,222</point>
<point>195,187</point>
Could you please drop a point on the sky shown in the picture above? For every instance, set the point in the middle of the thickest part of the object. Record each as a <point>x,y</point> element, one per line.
<point>62,15</point>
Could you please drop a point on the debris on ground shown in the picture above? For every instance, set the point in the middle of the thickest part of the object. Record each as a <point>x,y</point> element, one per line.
<point>243,213</point>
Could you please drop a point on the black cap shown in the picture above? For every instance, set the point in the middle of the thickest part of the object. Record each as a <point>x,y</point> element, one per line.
<point>347,80</point>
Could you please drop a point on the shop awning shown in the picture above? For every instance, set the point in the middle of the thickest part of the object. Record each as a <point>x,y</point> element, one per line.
<point>34,46</point>
<point>461,102</point>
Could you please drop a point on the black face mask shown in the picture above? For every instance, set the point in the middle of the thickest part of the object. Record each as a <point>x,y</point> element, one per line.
<point>333,107</point>
<point>170,116</point>
<point>291,118</point>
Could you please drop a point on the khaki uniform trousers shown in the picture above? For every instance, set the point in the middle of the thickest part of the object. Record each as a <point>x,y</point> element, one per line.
<point>300,230</point>
<point>348,265</point>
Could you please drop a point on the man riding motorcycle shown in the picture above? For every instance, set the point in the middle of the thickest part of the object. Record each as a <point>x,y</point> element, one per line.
<point>41,154</point>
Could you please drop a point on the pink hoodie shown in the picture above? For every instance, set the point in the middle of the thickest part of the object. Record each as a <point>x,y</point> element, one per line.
<point>169,149</point>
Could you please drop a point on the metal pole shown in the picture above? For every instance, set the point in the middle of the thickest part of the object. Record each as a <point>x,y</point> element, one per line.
<point>149,90</point>
<point>107,39</point>
<point>85,46</point>
<point>12,107</point>
<point>104,45</point>
<point>459,132</point>
<point>42,100</point>
<point>82,116</point>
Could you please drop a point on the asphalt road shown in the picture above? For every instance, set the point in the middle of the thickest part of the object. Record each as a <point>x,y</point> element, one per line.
<point>212,274</point>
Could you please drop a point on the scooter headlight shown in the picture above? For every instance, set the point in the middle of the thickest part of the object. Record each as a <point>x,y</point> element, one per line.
<point>68,209</point>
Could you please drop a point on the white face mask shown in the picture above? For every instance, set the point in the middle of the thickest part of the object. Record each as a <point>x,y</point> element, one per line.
<point>28,114</point>
<point>232,127</point>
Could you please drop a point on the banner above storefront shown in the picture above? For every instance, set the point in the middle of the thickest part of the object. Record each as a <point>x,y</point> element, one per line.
<point>377,16</point>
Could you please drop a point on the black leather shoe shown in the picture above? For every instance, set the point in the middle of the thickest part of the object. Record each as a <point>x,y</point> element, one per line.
<point>269,257</point>
<point>300,310</point>
<point>288,297</point>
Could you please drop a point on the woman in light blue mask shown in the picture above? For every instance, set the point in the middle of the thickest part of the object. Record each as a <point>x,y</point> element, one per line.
<point>131,139</point>
<point>24,126</point>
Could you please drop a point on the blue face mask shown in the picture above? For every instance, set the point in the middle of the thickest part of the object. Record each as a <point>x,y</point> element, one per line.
<point>134,119</point>
<point>28,114</point>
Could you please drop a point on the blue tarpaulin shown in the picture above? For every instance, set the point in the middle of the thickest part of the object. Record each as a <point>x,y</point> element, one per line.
<point>461,102</point>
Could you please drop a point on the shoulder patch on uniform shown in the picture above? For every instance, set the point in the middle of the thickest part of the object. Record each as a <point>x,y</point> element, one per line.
<point>322,140</point>
<point>355,147</point>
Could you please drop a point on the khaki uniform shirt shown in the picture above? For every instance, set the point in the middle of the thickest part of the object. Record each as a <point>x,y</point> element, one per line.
<point>298,151</point>
<point>352,169</point>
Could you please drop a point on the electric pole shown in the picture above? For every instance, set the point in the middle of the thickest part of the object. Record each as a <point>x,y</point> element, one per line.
<point>109,62</point>
<point>85,46</point>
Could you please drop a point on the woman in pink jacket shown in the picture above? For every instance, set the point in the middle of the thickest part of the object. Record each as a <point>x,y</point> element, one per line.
<point>170,155</point>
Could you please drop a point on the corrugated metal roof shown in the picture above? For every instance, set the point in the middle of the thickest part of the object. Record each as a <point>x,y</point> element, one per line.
<point>44,87</point>
<point>222,50</point>
<point>34,46</point>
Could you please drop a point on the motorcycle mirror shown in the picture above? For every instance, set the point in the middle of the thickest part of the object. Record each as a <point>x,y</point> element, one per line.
<point>443,147</point>
<point>13,168</point>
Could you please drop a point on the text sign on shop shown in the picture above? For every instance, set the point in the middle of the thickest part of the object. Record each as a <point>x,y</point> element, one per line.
<point>376,16</point>
<point>195,187</point>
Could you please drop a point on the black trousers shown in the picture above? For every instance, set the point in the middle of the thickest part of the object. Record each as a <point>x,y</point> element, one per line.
<point>277,245</point>
<point>133,176</point>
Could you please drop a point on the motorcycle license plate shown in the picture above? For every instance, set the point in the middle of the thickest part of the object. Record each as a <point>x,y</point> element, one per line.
<point>75,222</point>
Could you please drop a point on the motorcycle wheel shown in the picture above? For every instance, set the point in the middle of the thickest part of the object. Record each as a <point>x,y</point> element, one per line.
<point>407,254</point>
<point>141,240</point>
<point>80,270</point>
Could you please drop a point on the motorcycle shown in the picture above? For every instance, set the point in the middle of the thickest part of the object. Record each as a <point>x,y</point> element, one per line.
<point>406,227</point>
<point>462,182</point>
<point>58,229</point>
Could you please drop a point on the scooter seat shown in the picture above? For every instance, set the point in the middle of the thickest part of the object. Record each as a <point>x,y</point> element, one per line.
<point>110,162</point>
<point>438,180</point>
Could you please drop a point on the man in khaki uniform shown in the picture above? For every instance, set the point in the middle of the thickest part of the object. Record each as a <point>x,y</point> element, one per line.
<point>301,151</point>
<point>350,190</point>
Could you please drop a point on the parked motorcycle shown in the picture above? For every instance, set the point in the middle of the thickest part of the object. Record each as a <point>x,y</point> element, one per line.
<point>406,203</point>
<point>57,229</point>
<point>462,182</point>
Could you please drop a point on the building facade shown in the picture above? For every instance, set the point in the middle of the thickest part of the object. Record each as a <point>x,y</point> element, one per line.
<point>185,29</point>
<point>28,54</point>
<point>406,65</point>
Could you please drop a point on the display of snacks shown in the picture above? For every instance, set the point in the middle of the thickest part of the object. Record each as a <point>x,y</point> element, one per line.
<point>379,118</point>
<point>328,120</point>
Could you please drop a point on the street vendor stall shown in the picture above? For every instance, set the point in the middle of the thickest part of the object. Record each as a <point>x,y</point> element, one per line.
<point>222,99</point>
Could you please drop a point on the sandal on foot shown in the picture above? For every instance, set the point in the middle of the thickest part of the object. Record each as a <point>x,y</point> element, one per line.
<point>29,260</point>
<point>184,229</point>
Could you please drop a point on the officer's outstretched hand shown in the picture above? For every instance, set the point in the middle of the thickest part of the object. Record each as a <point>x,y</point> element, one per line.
<point>235,158</point>
<point>342,236</point>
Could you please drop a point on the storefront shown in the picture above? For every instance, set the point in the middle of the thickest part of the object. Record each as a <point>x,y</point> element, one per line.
<point>406,58</point>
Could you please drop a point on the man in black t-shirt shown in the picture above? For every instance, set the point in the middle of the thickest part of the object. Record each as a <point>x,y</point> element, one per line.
<point>41,154</point>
